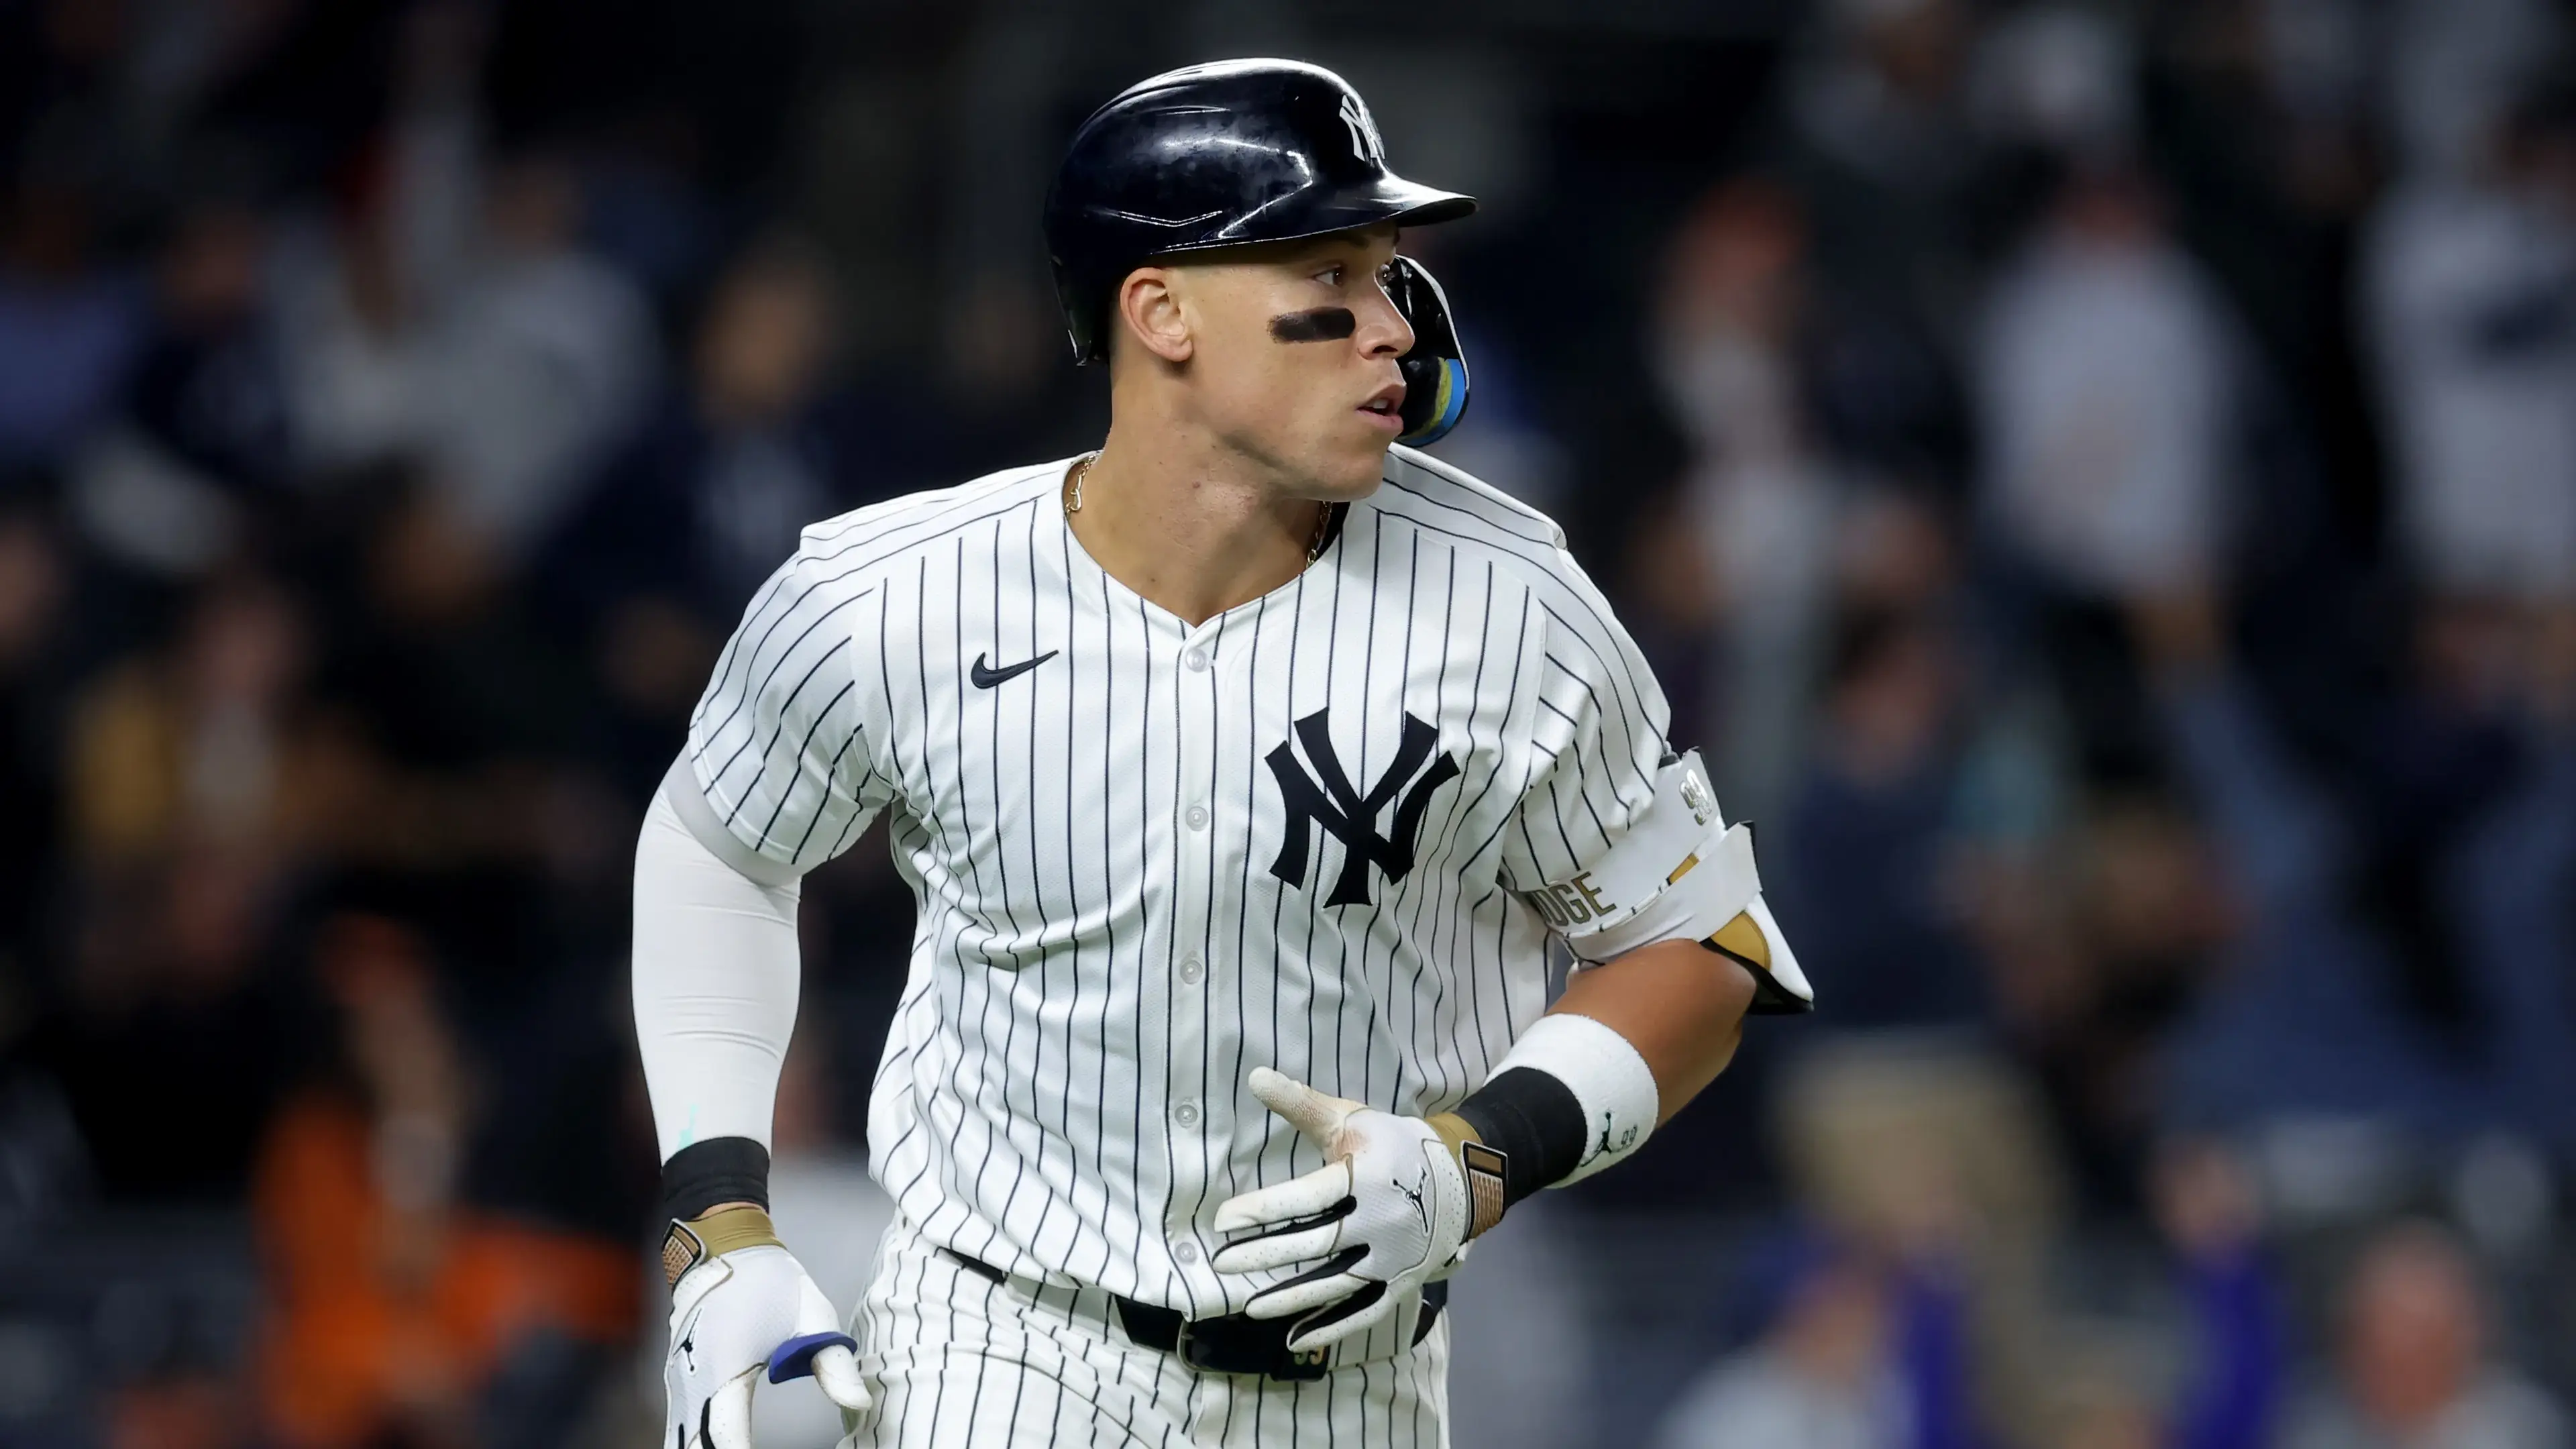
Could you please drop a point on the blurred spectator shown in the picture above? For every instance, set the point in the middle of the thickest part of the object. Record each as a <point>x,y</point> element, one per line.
<point>1875,139</point>
<point>547,356</point>
<point>708,494</point>
<point>193,782</point>
<point>1763,495</point>
<point>353,333</point>
<point>1828,1372</point>
<point>2257,122</point>
<point>2307,1015</point>
<point>215,744</point>
<point>2108,947</point>
<point>1868,869</point>
<point>2104,378</point>
<point>2414,1368</point>
<point>499,355</point>
<point>705,498</point>
<point>2398,959</point>
<point>2058,80</point>
<point>398,1315</point>
<point>176,1031</point>
<point>1933,1151</point>
<point>2454,67</point>
<point>69,323</point>
<point>183,1410</point>
<point>2207,1209</point>
<point>2470,299</point>
<point>1668,598</point>
<point>31,588</point>
<point>204,436</point>
<point>2505,885</point>
<point>457,701</point>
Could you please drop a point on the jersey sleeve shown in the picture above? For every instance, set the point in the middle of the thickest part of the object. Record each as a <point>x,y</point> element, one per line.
<point>776,743</point>
<point>1599,729</point>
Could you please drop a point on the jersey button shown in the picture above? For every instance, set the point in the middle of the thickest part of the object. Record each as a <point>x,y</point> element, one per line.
<point>1186,1113</point>
<point>1185,1252</point>
<point>1197,816</point>
<point>1191,970</point>
<point>1196,659</point>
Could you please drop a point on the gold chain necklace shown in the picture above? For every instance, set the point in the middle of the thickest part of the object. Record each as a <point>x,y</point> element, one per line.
<point>1082,470</point>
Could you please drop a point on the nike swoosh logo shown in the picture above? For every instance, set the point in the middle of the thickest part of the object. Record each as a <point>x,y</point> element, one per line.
<point>986,677</point>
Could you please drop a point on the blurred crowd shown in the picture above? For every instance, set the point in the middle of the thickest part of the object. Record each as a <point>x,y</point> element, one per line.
<point>2098,482</point>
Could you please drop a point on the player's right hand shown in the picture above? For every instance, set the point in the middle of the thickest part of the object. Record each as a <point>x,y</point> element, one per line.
<point>740,1315</point>
<point>1387,1213</point>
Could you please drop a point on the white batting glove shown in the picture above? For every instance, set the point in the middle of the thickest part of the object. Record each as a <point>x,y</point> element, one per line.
<point>1386,1214</point>
<point>740,1314</point>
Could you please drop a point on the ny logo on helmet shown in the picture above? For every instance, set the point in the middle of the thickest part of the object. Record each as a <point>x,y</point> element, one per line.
<point>1363,131</point>
<point>1328,800</point>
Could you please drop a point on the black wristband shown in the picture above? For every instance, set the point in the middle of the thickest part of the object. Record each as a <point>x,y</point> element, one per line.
<point>1535,1121</point>
<point>718,1170</point>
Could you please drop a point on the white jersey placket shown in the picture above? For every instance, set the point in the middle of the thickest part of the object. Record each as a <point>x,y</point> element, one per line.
<point>1200,830</point>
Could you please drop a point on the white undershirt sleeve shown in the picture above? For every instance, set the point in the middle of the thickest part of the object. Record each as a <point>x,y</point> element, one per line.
<point>775,781</point>
<point>715,973</point>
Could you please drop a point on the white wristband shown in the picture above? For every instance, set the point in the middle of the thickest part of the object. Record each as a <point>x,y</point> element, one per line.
<point>1607,1076</point>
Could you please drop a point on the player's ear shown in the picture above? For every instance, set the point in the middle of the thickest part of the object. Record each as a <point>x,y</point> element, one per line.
<point>1149,307</point>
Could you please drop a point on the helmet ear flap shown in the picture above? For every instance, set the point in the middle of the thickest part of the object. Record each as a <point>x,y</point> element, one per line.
<point>1086,316</point>
<point>1435,372</point>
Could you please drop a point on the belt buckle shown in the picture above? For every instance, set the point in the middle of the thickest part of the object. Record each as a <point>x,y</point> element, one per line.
<point>1305,1363</point>
<point>1295,1366</point>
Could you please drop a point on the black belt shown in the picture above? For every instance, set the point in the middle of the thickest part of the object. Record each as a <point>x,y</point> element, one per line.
<point>1234,1344</point>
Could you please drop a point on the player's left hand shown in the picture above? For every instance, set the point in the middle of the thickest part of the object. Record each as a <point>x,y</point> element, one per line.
<point>1386,1214</point>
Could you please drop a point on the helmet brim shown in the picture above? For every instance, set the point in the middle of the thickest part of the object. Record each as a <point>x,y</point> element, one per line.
<point>1322,211</point>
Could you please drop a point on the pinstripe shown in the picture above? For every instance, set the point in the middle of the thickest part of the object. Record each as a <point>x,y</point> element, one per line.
<point>1368,677</point>
<point>1108,764</point>
<point>1314,899</point>
<point>1162,1259</point>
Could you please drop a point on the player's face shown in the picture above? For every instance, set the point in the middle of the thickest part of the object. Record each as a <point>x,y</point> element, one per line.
<point>1292,360</point>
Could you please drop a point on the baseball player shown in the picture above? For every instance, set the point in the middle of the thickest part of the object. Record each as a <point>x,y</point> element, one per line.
<point>1244,771</point>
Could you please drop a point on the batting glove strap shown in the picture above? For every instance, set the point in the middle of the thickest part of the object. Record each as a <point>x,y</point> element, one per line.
<point>688,1244</point>
<point>1487,1168</point>
<point>1389,1212</point>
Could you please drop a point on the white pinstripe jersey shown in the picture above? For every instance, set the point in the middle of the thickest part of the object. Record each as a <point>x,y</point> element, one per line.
<point>1163,855</point>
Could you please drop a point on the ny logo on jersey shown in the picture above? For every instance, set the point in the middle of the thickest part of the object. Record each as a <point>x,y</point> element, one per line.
<point>1363,131</point>
<point>1327,799</point>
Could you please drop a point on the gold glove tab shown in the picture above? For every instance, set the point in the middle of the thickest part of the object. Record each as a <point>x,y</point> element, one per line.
<point>718,1233</point>
<point>1483,1166</point>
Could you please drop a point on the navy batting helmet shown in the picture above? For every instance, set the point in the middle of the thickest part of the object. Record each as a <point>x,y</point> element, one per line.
<point>1218,155</point>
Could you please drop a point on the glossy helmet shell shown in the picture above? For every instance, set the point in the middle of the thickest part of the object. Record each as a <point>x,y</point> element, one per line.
<point>1220,155</point>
